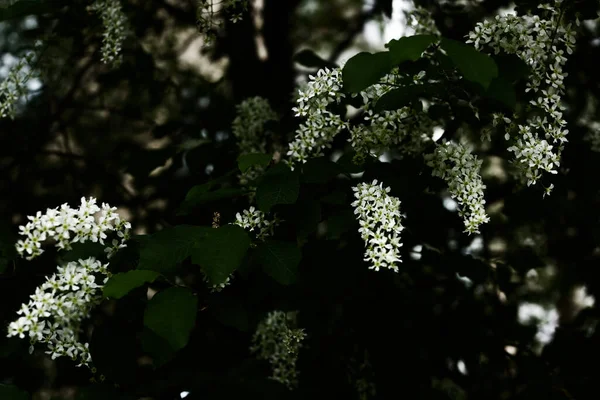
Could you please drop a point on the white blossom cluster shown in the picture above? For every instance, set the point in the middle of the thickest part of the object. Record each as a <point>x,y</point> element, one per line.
<point>541,43</point>
<point>15,85</point>
<point>278,340</point>
<point>66,226</point>
<point>460,169</point>
<point>421,21</point>
<point>249,129</point>
<point>210,15</point>
<point>321,125</point>
<point>380,224</point>
<point>57,308</point>
<point>115,29</point>
<point>256,221</point>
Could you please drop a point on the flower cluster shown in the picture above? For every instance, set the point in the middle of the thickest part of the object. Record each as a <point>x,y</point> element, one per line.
<point>249,129</point>
<point>321,125</point>
<point>15,85</point>
<point>421,20</point>
<point>278,340</point>
<point>380,224</point>
<point>455,164</point>
<point>66,226</point>
<point>58,307</point>
<point>541,43</point>
<point>256,221</point>
<point>115,29</point>
<point>208,19</point>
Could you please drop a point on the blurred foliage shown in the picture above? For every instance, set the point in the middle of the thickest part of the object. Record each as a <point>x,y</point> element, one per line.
<point>150,135</point>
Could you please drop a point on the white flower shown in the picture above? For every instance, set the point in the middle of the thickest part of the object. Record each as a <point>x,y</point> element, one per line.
<point>321,125</point>
<point>67,226</point>
<point>455,164</point>
<point>55,311</point>
<point>115,29</point>
<point>380,224</point>
<point>278,341</point>
<point>254,220</point>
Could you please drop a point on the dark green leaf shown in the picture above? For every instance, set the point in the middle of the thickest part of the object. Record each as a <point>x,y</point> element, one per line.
<point>200,194</point>
<point>156,347</point>
<point>277,187</point>
<point>310,59</point>
<point>340,223</point>
<point>308,216</point>
<point>320,170</point>
<point>163,250</point>
<point>364,70</point>
<point>120,284</point>
<point>279,260</point>
<point>221,252</point>
<point>409,48</point>
<point>346,161</point>
<point>401,97</point>
<point>10,392</point>
<point>246,161</point>
<point>337,198</point>
<point>502,91</point>
<point>171,314</point>
<point>472,64</point>
<point>511,68</point>
<point>83,251</point>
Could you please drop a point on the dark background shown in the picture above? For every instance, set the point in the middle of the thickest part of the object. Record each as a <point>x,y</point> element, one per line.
<point>92,130</point>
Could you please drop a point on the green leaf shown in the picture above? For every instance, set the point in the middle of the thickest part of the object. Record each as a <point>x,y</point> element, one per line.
<point>401,97</point>
<point>156,347</point>
<point>277,187</point>
<point>511,67</point>
<point>279,260</point>
<point>364,70</point>
<point>83,251</point>
<point>346,161</point>
<point>120,284</point>
<point>502,91</point>
<point>163,250</point>
<point>308,216</point>
<point>23,8</point>
<point>472,64</point>
<point>171,314</point>
<point>320,170</point>
<point>340,223</point>
<point>10,392</point>
<point>310,59</point>
<point>246,161</point>
<point>221,252</point>
<point>200,194</point>
<point>409,48</point>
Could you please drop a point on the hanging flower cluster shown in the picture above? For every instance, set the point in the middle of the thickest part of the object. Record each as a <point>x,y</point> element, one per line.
<point>380,224</point>
<point>455,164</point>
<point>66,226</point>
<point>249,129</point>
<point>254,220</point>
<point>541,44</point>
<point>210,15</point>
<point>278,340</point>
<point>57,308</point>
<point>421,20</point>
<point>115,29</point>
<point>15,85</point>
<point>321,125</point>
